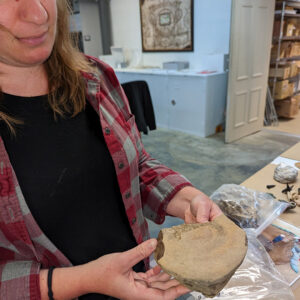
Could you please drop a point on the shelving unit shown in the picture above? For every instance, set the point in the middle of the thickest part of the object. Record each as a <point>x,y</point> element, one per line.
<point>284,73</point>
<point>287,38</point>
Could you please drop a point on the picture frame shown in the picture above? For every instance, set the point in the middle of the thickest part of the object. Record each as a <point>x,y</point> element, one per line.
<point>167,25</point>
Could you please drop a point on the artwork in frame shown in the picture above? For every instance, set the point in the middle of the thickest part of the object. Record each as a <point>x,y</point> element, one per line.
<point>166,25</point>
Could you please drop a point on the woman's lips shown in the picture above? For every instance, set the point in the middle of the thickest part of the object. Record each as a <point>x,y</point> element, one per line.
<point>34,40</point>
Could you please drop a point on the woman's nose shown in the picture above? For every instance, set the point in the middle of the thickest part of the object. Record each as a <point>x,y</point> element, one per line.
<point>33,11</point>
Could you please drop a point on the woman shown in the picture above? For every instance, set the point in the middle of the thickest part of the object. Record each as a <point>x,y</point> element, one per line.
<point>75,191</point>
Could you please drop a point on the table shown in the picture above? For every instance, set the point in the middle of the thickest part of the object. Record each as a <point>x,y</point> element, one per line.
<point>264,177</point>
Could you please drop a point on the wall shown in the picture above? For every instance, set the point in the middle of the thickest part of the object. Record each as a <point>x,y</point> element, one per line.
<point>211,34</point>
<point>90,25</point>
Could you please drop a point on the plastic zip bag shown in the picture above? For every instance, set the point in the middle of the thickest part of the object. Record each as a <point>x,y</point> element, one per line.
<point>256,278</point>
<point>248,208</point>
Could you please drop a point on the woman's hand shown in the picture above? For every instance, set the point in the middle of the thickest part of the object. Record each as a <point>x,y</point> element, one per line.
<point>193,206</point>
<point>201,209</point>
<point>112,275</point>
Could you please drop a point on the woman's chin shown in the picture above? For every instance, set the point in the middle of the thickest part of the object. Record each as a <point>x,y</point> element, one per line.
<point>36,58</point>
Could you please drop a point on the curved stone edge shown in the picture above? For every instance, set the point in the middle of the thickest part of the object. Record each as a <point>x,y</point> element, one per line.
<point>206,288</point>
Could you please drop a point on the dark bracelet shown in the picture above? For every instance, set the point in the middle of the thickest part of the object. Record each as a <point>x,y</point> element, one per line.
<point>50,293</point>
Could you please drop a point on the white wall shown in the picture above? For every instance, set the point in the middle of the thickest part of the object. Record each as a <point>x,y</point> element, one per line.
<point>90,25</point>
<point>211,33</point>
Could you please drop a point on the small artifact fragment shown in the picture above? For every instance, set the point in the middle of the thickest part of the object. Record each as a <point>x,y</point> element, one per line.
<point>203,257</point>
<point>243,212</point>
<point>297,202</point>
<point>295,197</point>
<point>285,174</point>
<point>270,186</point>
<point>245,207</point>
<point>287,189</point>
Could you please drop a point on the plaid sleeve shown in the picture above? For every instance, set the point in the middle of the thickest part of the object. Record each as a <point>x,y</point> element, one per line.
<point>158,183</point>
<point>20,280</point>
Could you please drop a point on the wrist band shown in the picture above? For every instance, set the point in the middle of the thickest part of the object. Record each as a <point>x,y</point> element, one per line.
<point>50,293</point>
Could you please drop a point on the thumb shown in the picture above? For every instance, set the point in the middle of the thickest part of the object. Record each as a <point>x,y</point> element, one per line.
<point>138,253</point>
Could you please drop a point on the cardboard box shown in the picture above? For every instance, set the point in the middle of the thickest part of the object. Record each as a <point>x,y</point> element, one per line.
<point>281,72</point>
<point>283,89</point>
<point>297,32</point>
<point>295,21</point>
<point>285,50</point>
<point>287,108</point>
<point>289,29</point>
<point>293,69</point>
<point>297,97</point>
<point>295,49</point>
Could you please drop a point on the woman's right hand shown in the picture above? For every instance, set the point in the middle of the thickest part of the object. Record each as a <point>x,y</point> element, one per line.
<point>112,275</point>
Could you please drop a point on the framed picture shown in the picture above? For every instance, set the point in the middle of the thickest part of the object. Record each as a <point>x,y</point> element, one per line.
<point>166,25</point>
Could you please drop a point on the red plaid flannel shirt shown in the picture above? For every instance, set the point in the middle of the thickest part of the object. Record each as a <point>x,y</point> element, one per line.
<point>146,187</point>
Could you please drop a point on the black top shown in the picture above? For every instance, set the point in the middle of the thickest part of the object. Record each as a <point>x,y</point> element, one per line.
<point>139,98</point>
<point>68,179</point>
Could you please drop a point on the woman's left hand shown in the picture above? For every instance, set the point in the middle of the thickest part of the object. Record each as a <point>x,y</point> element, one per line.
<point>201,209</point>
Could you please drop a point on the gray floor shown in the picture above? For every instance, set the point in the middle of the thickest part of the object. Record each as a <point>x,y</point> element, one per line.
<point>209,162</point>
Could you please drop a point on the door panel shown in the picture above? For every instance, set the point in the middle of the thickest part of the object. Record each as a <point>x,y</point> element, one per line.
<point>250,44</point>
<point>240,109</point>
<point>259,51</point>
<point>244,35</point>
<point>255,99</point>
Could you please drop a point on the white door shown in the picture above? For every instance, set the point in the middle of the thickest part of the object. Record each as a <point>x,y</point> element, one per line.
<point>250,45</point>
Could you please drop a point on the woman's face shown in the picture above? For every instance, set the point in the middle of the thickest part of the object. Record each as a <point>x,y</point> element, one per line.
<point>27,31</point>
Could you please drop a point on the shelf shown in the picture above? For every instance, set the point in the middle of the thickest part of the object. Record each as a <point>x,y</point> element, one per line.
<point>287,38</point>
<point>296,93</point>
<point>287,98</point>
<point>285,59</point>
<point>278,14</point>
<point>294,4</point>
<point>290,79</point>
<point>294,78</point>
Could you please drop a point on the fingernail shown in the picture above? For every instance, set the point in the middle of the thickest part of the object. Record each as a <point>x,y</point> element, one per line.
<point>202,221</point>
<point>152,244</point>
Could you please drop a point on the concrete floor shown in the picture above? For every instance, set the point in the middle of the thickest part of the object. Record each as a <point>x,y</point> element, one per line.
<point>209,162</point>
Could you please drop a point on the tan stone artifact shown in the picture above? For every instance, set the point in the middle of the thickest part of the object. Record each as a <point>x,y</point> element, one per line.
<point>203,257</point>
<point>285,174</point>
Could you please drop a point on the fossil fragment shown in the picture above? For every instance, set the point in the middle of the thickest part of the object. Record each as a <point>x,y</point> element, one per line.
<point>270,186</point>
<point>240,204</point>
<point>285,174</point>
<point>203,257</point>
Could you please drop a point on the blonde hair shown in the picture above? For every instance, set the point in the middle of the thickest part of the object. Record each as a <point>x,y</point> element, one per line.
<point>64,66</point>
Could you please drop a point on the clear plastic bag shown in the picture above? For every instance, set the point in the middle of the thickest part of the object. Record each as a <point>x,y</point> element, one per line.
<point>248,208</point>
<point>256,278</point>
